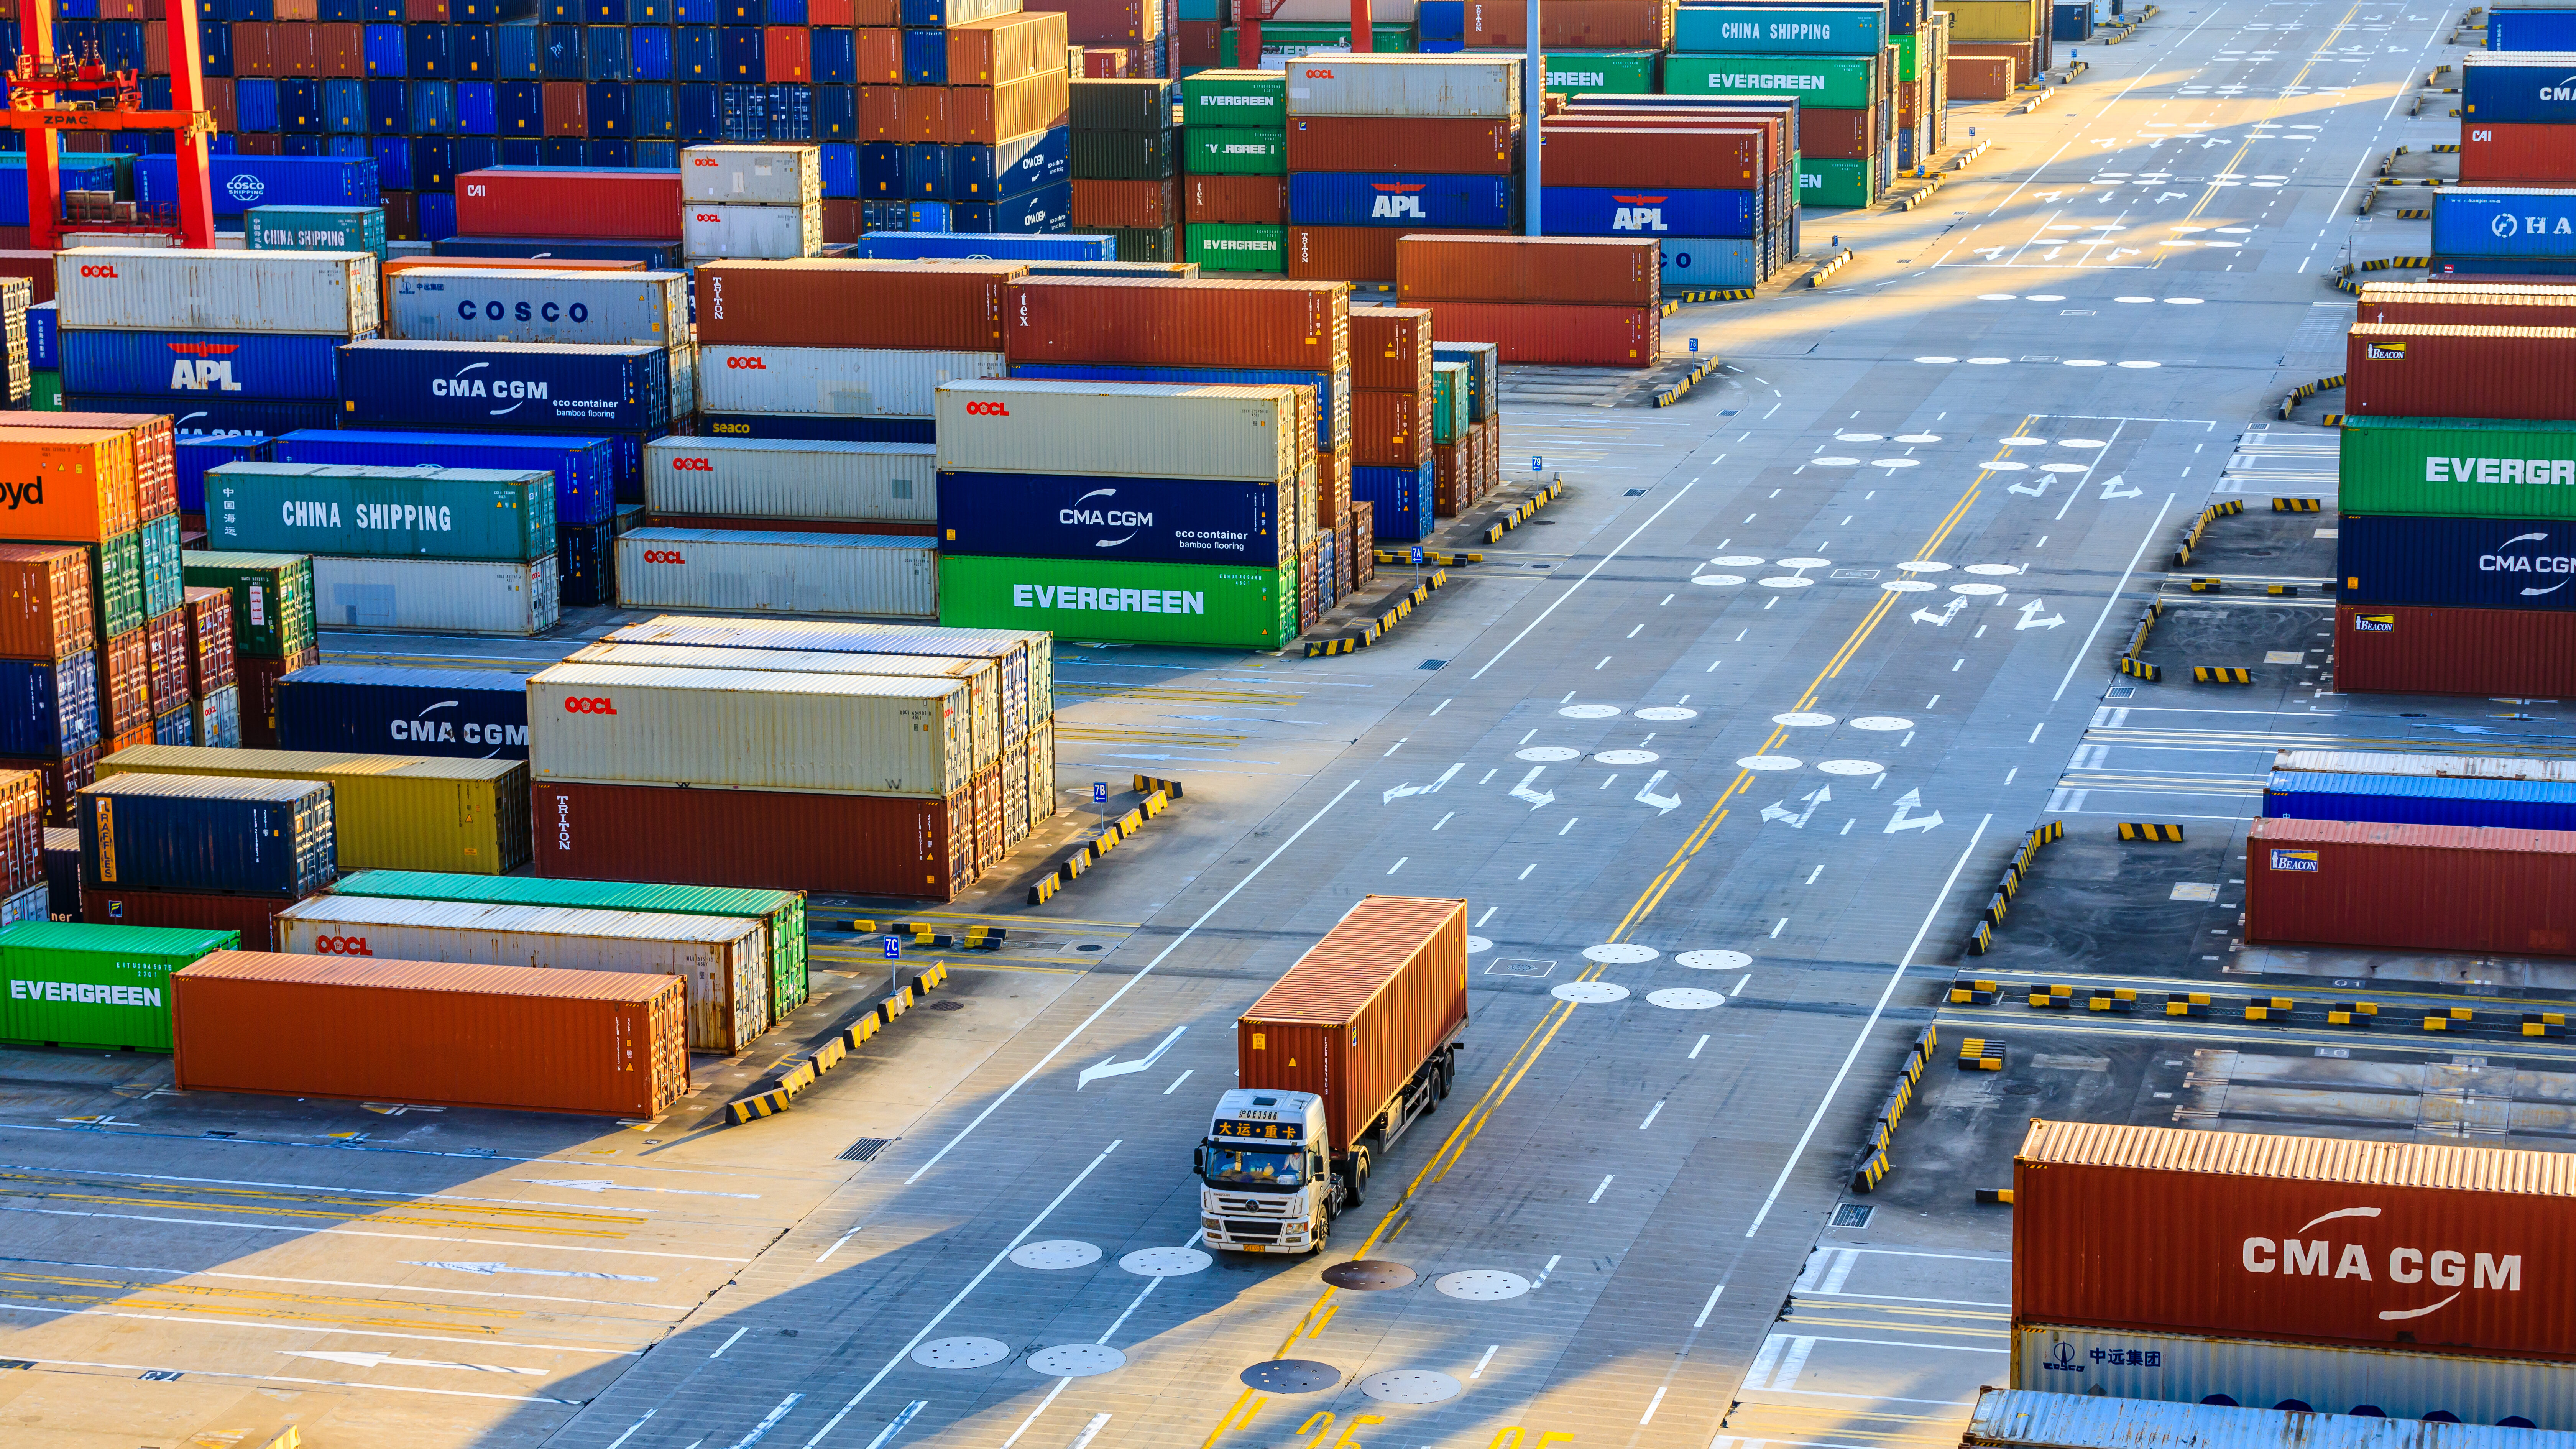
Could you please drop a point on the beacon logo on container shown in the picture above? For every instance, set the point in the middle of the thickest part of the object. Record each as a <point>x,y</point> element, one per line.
<point>2298,860</point>
<point>2416,1271</point>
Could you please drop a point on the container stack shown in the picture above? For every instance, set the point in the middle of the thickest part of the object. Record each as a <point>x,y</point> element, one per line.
<point>1317,27</point>
<point>49,638</point>
<point>751,201</point>
<point>316,229</point>
<point>1834,60</point>
<point>1136,29</point>
<point>2517,115</point>
<point>204,852</point>
<point>1693,263</point>
<point>2530,25</point>
<point>126,974</point>
<point>613,213</point>
<point>75,474</point>
<point>270,599</point>
<point>849,351</point>
<point>212,685</point>
<point>1699,184</point>
<point>1593,302</point>
<point>389,812</point>
<point>2019,32</point>
<point>1475,462</point>
<point>467,714</point>
<point>1923,92</point>
<point>1125,159</point>
<point>962,118</point>
<point>620,392</point>
<point>1234,164</point>
<point>2071,22</point>
<point>1390,463</point>
<point>1452,123</point>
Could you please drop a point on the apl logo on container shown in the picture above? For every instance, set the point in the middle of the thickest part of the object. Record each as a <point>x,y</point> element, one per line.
<point>203,367</point>
<point>2298,860</point>
<point>1638,213</point>
<point>1397,199</point>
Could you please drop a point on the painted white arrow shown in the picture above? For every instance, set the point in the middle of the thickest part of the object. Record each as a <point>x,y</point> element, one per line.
<point>1798,820</point>
<point>488,1269</point>
<point>1537,798</point>
<point>2030,616</point>
<point>1942,619</point>
<point>368,1360</point>
<point>1646,795</point>
<point>2111,488</point>
<point>1400,791</point>
<point>1907,821</point>
<point>1110,1067</point>
<point>2032,489</point>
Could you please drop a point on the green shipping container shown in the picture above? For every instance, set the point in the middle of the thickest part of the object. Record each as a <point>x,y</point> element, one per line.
<point>157,543</point>
<point>1238,98</point>
<point>2458,468</point>
<point>1832,82</point>
<point>316,229</point>
<point>1286,37</point>
<point>1450,394</point>
<point>1907,56</point>
<point>1584,72</point>
<point>1137,603</point>
<point>1835,183</point>
<point>1124,155</point>
<point>1233,151</point>
<point>116,582</point>
<point>1219,246</point>
<point>783,912</point>
<point>47,396</point>
<point>378,512</point>
<point>96,986</point>
<point>272,597</point>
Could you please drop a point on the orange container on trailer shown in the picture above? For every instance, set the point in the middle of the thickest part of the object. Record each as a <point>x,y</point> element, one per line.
<point>1362,1011</point>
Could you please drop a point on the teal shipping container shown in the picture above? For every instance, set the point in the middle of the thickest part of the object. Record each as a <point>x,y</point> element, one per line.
<point>1779,30</point>
<point>316,229</point>
<point>346,511</point>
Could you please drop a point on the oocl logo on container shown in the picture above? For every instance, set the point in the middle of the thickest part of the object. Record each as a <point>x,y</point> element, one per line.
<point>746,364</point>
<point>98,271</point>
<point>708,216</point>
<point>987,410</point>
<point>342,946</point>
<point>578,704</point>
<point>661,555</point>
<point>692,465</point>
<point>1312,73</point>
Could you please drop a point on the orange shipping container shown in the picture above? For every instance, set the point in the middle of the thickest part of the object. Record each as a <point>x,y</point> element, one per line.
<point>44,601</point>
<point>990,115</point>
<point>881,111</point>
<point>1980,78</point>
<point>880,57</point>
<point>921,116</point>
<point>1150,205</point>
<point>154,441</point>
<point>530,1038</point>
<point>1383,995</point>
<point>74,485</point>
<point>165,644</point>
<point>1004,48</point>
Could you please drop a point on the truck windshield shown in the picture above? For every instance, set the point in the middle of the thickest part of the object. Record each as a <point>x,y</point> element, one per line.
<point>1255,1167</point>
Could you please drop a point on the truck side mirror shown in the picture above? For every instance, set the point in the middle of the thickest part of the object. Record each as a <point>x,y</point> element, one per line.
<point>1198,1161</point>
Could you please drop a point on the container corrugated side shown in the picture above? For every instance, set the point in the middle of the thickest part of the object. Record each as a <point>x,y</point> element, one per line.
<point>1247,434</point>
<point>750,730</point>
<point>852,382</point>
<point>379,511</point>
<point>393,811</point>
<point>1026,657</point>
<point>721,958</point>
<point>2412,887</point>
<point>91,985</point>
<point>1079,515</point>
<point>437,596</point>
<point>2384,762</point>
<point>2456,467</point>
<point>793,479</point>
<point>2389,1388</point>
<point>476,304</point>
<point>1361,1010</point>
<point>850,844</point>
<point>2475,221</point>
<point>2414,649</point>
<point>752,175</point>
<point>2469,562</point>
<point>1220,605</point>
<point>713,230</point>
<point>148,289</point>
<point>2420,800</point>
<point>202,833</point>
<point>796,573</point>
<point>585,468</point>
<point>949,305</point>
<point>558,387</point>
<point>608,1043</point>
<point>1405,85</point>
<point>185,366</point>
<point>983,677</point>
<point>476,714</point>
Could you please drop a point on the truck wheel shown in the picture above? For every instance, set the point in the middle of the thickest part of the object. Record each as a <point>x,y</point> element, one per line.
<point>1321,1235</point>
<point>1448,1074</point>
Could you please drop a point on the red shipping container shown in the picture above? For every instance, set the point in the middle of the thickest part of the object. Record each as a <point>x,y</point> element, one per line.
<point>881,112</point>
<point>2410,1246</point>
<point>2433,370</point>
<point>209,615</point>
<point>2466,305</point>
<point>256,675</point>
<point>880,61</point>
<point>257,143</point>
<point>1579,153</point>
<point>990,115</point>
<point>843,221</point>
<point>1352,253</point>
<point>1107,22</point>
<point>876,845</point>
<point>1529,269</point>
<point>36,267</point>
<point>2411,887</point>
<point>402,223</point>
<point>424,12</point>
<point>1572,25</point>
<point>1971,78</point>
<point>929,306</point>
<point>566,108</point>
<point>1210,322</point>
<point>1446,145</point>
<point>1199,42</point>
<point>1448,480</point>
<point>835,13</point>
<point>219,104</point>
<point>2513,653</point>
<point>2025,55</point>
<point>1837,135</point>
<point>530,1038</point>
<point>1103,63</point>
<point>1776,126</point>
<point>1141,204</point>
<point>297,49</point>
<point>874,13</point>
<point>924,116</point>
<point>45,610</point>
<point>1387,985</point>
<point>254,48</point>
<point>254,916</point>
<point>1572,335</point>
<point>1390,429</point>
<point>125,683</point>
<point>626,204</point>
<point>1391,349</point>
<point>344,51</point>
<point>1258,199</point>
<point>166,661</point>
<point>59,782</point>
<point>787,54</point>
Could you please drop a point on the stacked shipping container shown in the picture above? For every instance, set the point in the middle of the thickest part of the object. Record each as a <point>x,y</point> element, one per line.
<point>1451,124</point>
<point>1234,164</point>
<point>210,853</point>
<point>1834,59</point>
<point>962,118</point>
<point>1124,164</point>
<point>269,600</point>
<point>2517,117</point>
<point>2504,230</point>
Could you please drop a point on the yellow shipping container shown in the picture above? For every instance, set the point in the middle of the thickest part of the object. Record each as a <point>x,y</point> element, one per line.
<point>2005,21</point>
<point>66,485</point>
<point>392,812</point>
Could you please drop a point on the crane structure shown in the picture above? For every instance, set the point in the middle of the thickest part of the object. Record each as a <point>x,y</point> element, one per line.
<point>49,94</point>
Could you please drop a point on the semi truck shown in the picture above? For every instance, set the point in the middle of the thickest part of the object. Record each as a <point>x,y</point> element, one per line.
<point>1355,1044</point>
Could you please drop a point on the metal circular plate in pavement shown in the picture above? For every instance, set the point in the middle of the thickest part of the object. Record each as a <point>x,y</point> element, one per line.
<point>1626,757</point>
<point>1368,1275</point>
<point>1735,561</point>
<point>1886,722</point>
<point>1723,580</point>
<point>1482,1285</point>
<point>1788,581</point>
<point>1850,767</point>
<point>1769,762</point>
<point>1906,586</point>
<point>1165,1262</point>
<point>1590,993</point>
<point>1806,563</point>
<point>1549,754</point>
<point>1802,719</point>
<point>1924,566</point>
<point>1478,943</point>
<point>1685,998</point>
<point>1620,953</point>
<point>1076,1360</point>
<point>1055,1253</point>
<point>1410,1386</point>
<point>1292,1376</point>
<point>1714,960</point>
<point>961,1353</point>
<point>1994,568</point>
<point>1977,590</point>
<point>1661,712</point>
<point>1589,711</point>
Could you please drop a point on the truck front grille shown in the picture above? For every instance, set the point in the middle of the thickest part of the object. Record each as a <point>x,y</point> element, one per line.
<point>1264,1207</point>
<point>1251,1230</point>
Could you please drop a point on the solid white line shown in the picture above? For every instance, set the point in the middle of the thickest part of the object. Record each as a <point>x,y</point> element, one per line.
<point>1176,1082</point>
<point>761,1430</point>
<point>1587,576</point>
<point>1898,1343</point>
<point>1103,1008</point>
<point>1652,1405</point>
<point>1709,1307</point>
<point>1479,1370</point>
<point>728,1343</point>
<point>2113,601</point>
<point>837,1242</point>
<point>1862,1038</point>
<point>1604,1187</point>
<point>1651,1114</point>
<point>1033,1413</point>
<point>326,1383</point>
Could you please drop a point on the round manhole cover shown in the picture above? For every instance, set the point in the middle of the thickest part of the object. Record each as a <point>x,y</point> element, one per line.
<point>1994,568</point>
<point>1735,561</point>
<point>1589,711</point>
<point>1850,767</point>
<point>1620,953</point>
<point>1590,993</point>
<point>1977,590</point>
<point>1076,1360</point>
<point>1165,1262</point>
<point>1292,1376</point>
<point>1410,1386</point>
<point>1685,998</point>
<point>1549,754</point>
<point>1626,757</point>
<point>1055,1253</point>
<point>1724,580</point>
<point>1906,586</point>
<point>1483,1285</point>
<point>1802,719</point>
<point>1768,762</point>
<point>1660,712</point>
<point>1789,581</point>
<point>1478,943</point>
<point>1806,563</point>
<point>1882,722</point>
<point>1714,960</point>
<point>961,1353</point>
<point>1924,566</point>
<point>1368,1275</point>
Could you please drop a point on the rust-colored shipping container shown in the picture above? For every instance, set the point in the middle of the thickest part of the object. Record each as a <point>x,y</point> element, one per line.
<point>787,54</point>
<point>1362,1011</point>
<point>125,683</point>
<point>296,50</point>
<point>2407,1245</point>
<point>209,616</point>
<point>59,782</point>
<point>1200,43</point>
<point>1261,200</point>
<point>165,646</point>
<point>1592,270</point>
<point>990,115</point>
<point>1391,349</point>
<point>874,845</point>
<point>1364,557</point>
<point>257,143</point>
<point>1774,126</point>
<point>254,916</point>
<point>257,676</point>
<point>1151,205</point>
<point>880,57</point>
<point>1100,62</point>
<point>527,1038</point>
<point>843,221</point>
<point>2466,304</point>
<point>1969,78</point>
<point>1004,48</point>
<point>45,609</point>
<point>1448,481</point>
<point>1390,429</point>
<point>2412,649</point>
<point>1704,157</point>
<point>1107,22</point>
<point>815,302</point>
<point>1332,491</point>
<point>220,102</point>
<point>1572,335</point>
<point>1203,323</point>
<point>1572,25</point>
<point>22,830</point>
<point>1837,135</point>
<point>2517,154</point>
<point>344,51</point>
<point>922,116</point>
<point>2435,370</point>
<point>881,110</point>
<point>567,113</point>
<point>2411,887</point>
<point>36,267</point>
<point>1449,145</point>
<point>254,48</point>
<point>1352,253</point>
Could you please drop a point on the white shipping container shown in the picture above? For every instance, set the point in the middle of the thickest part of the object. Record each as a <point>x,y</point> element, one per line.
<point>439,304</point>
<point>793,478</point>
<point>1477,87</point>
<point>2181,1369</point>
<point>846,382</point>
<point>713,231</point>
<point>147,290</point>
<point>1026,656</point>
<point>786,573</point>
<point>435,596</point>
<point>723,959</point>
<point>684,380</point>
<point>983,677</point>
<point>750,729</point>
<point>752,175</point>
<point>1119,430</point>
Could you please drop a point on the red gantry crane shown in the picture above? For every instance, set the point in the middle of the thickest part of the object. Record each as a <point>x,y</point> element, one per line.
<point>50,93</point>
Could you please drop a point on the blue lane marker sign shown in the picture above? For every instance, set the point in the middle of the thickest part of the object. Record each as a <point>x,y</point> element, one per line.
<point>1099,792</point>
<point>894,948</point>
<point>1537,463</point>
<point>1694,344</point>
<point>1417,555</point>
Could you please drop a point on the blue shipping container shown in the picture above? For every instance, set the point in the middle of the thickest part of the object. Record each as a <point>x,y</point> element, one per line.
<point>2509,30</point>
<point>1635,211</point>
<point>48,708</point>
<point>925,170</point>
<point>1049,209</point>
<point>657,256</point>
<point>554,386</point>
<point>2486,563</point>
<point>1437,19</point>
<point>925,57</point>
<point>1417,199</point>
<point>476,714</point>
<point>1013,167</point>
<point>195,455</point>
<point>241,840</point>
<point>242,182</point>
<point>1710,261</point>
<point>2507,89</point>
<point>2420,800</point>
<point>43,354</point>
<point>1401,498</point>
<point>585,469</point>
<point>586,564</point>
<point>1053,515</point>
<point>910,245</point>
<point>2502,221</point>
<point>1332,390</point>
<point>93,176</point>
<point>182,365</point>
<point>211,417</point>
<point>1779,29</point>
<point>815,425</point>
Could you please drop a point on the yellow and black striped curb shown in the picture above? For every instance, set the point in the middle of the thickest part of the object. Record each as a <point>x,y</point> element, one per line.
<point>2150,830</point>
<point>1871,1167</point>
<point>935,938</point>
<point>835,1050</point>
<point>2308,390</point>
<point>1836,263</point>
<point>1921,194</point>
<point>1435,557</point>
<point>1670,306</point>
<point>2131,662</point>
<point>1398,610</point>
<point>2331,420</point>
<point>1696,295</point>
<point>1994,1196</point>
<point>1979,1054</point>
<point>1960,161</point>
<point>1524,511</point>
<point>1981,938</point>
<point>2141,669</point>
<point>2447,148</point>
<point>2414,213</point>
<point>2221,674</point>
<point>2352,1015</point>
<point>1089,853</point>
<point>2200,525</point>
<point>1671,395</point>
<point>2341,279</point>
<point>2298,505</point>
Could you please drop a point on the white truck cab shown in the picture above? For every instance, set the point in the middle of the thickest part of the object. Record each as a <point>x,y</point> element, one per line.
<point>1266,1180</point>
